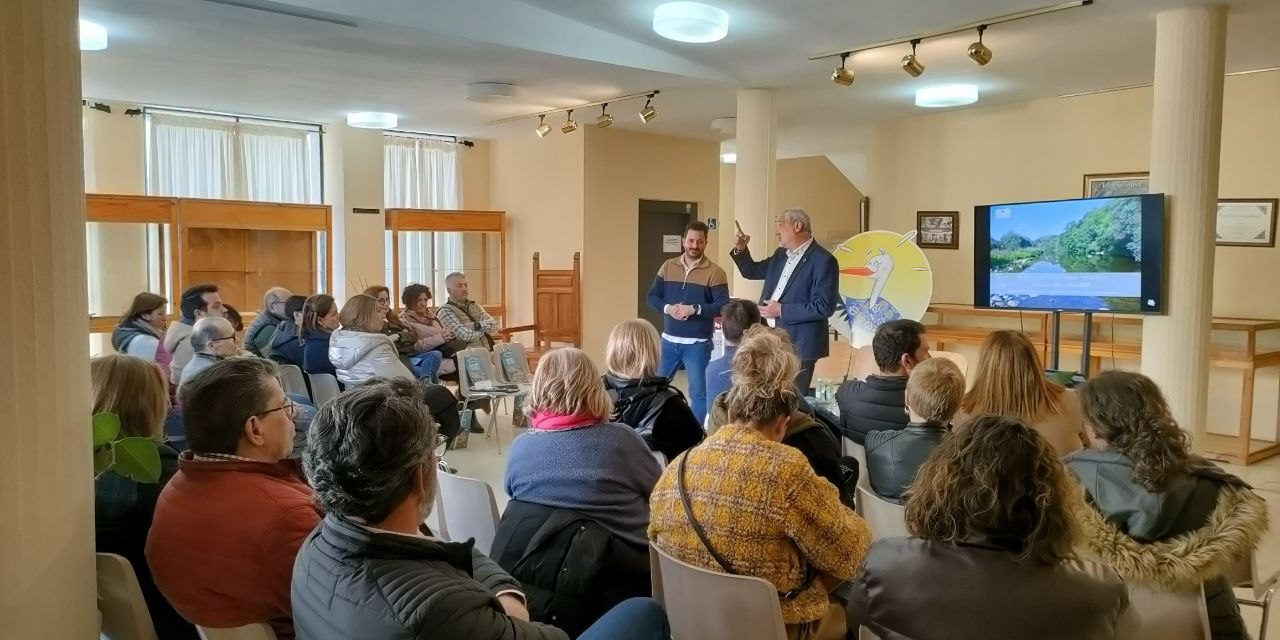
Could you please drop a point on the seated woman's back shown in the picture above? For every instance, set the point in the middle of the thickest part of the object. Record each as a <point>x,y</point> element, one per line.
<point>642,399</point>
<point>358,351</point>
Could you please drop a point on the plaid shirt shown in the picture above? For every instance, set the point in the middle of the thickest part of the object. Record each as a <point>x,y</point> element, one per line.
<point>459,322</point>
<point>221,457</point>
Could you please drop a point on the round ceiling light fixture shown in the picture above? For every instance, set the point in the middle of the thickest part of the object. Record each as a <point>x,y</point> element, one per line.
<point>690,22</point>
<point>946,95</point>
<point>93,36</point>
<point>372,120</point>
<point>491,92</point>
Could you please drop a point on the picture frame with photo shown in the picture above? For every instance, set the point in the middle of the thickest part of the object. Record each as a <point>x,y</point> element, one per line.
<point>1110,185</point>
<point>1246,222</point>
<point>938,229</point>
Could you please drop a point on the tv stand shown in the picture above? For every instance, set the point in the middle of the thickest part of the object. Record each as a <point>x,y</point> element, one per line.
<point>1055,359</point>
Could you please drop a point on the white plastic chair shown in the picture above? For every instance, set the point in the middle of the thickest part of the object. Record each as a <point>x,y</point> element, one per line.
<point>292,381</point>
<point>120,602</point>
<point>851,448</point>
<point>324,387</point>
<point>961,361</point>
<point>1164,615</point>
<point>1246,575</point>
<point>708,605</point>
<point>511,362</point>
<point>468,509</point>
<point>884,518</point>
<point>256,631</point>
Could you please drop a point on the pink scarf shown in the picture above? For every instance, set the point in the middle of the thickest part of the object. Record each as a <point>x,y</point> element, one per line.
<point>547,421</point>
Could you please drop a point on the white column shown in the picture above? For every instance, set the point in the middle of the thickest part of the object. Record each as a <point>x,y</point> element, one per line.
<point>1186,133</point>
<point>754,193</point>
<point>47,583</point>
<point>353,180</point>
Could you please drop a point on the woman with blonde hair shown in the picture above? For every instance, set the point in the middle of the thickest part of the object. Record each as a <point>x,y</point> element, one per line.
<point>991,549</point>
<point>359,350</point>
<point>137,392</point>
<point>1010,381</point>
<point>642,399</point>
<point>744,503</point>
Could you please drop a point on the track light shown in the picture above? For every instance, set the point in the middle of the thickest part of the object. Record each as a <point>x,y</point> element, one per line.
<point>649,112</point>
<point>570,125</point>
<point>605,119</point>
<point>911,64</point>
<point>842,75</point>
<point>543,128</point>
<point>979,52</point>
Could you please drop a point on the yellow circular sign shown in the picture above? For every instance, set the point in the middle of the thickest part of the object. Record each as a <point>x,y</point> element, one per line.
<point>883,276</point>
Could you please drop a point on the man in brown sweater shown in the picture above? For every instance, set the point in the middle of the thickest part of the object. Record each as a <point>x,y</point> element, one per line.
<point>228,525</point>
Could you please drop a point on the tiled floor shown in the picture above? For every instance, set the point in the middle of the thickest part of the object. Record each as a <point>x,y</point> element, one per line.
<point>482,461</point>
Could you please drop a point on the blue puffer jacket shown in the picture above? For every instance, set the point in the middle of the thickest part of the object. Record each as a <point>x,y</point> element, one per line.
<point>315,353</point>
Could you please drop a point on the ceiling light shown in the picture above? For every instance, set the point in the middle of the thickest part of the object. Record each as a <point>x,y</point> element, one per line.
<point>911,64</point>
<point>946,95</point>
<point>978,52</point>
<point>570,125</point>
<point>372,120</point>
<point>690,22</point>
<point>93,36</point>
<point>490,92</point>
<point>729,158</point>
<point>842,75</point>
<point>605,119</point>
<point>649,111</point>
<point>543,128</point>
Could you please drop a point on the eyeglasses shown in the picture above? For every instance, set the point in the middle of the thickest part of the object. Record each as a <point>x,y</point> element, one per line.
<point>230,337</point>
<point>290,409</point>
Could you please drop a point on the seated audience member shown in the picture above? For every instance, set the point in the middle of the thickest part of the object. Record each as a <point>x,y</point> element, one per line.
<point>212,339</point>
<point>736,317</point>
<point>431,335</point>
<point>816,441</point>
<point>933,396</point>
<point>137,392</point>
<point>141,330</point>
<point>285,345</point>
<point>642,399</point>
<point>258,337</point>
<point>229,312</point>
<point>370,572</point>
<point>744,503</point>
<point>991,549</point>
<point>197,302</point>
<point>1010,381</point>
<point>229,523</point>
<point>319,320</point>
<point>466,319</point>
<point>1161,516</point>
<point>421,361</point>
<point>878,403</point>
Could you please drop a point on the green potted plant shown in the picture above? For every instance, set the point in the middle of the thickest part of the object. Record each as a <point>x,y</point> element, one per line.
<point>133,457</point>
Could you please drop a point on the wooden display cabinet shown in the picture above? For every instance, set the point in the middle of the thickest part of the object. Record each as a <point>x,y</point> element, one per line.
<point>484,252</point>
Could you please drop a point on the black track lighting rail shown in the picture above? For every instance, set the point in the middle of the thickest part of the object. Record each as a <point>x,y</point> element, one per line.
<point>630,96</point>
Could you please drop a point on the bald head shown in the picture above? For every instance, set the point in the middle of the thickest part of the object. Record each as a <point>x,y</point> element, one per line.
<point>273,301</point>
<point>214,336</point>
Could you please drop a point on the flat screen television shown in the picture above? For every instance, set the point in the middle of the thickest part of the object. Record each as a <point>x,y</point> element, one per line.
<point>1093,254</point>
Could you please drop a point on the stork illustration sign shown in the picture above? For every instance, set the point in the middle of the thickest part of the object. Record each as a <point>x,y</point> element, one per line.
<point>883,276</point>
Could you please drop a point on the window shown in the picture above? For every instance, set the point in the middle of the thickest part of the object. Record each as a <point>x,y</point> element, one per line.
<point>422,173</point>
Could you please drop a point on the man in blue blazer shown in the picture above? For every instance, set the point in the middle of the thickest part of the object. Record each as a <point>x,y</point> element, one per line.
<point>801,287</point>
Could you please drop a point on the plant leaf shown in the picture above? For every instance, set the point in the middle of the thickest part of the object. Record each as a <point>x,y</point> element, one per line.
<point>102,461</point>
<point>106,428</point>
<point>138,458</point>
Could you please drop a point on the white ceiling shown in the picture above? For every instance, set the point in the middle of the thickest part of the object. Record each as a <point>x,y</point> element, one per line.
<point>413,57</point>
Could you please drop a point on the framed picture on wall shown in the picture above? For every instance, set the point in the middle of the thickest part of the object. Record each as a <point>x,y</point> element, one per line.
<point>1246,222</point>
<point>1109,185</point>
<point>938,229</point>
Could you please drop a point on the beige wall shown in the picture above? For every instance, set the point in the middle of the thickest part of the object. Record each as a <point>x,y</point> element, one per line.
<point>622,168</point>
<point>474,164</point>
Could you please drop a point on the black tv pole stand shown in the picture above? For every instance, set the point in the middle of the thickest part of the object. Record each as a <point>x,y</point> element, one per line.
<point>1056,353</point>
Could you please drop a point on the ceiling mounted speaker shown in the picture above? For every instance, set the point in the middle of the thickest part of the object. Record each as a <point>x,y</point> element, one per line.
<point>725,126</point>
<point>491,92</point>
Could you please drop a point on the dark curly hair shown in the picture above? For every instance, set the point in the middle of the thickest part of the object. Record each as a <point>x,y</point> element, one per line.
<point>409,296</point>
<point>365,446</point>
<point>995,480</point>
<point>1128,411</point>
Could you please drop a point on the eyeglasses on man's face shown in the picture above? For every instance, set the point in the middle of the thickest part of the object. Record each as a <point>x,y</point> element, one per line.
<point>290,409</point>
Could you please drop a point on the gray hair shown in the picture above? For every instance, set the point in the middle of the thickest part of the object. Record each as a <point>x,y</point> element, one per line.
<point>208,329</point>
<point>798,216</point>
<point>453,278</point>
<point>364,447</point>
<point>274,296</point>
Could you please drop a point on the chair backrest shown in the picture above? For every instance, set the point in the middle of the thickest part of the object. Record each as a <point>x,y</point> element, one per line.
<point>120,602</point>
<point>468,509</point>
<point>957,358</point>
<point>858,453</point>
<point>660,457</point>
<point>474,366</point>
<point>256,631</point>
<point>884,518</point>
<point>1165,615</point>
<point>324,387</point>
<point>511,362</point>
<point>708,605</point>
<point>292,381</point>
<point>557,304</point>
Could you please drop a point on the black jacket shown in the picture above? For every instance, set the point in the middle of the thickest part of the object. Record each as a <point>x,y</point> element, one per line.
<point>573,570</point>
<point>657,411</point>
<point>875,404</point>
<point>285,346</point>
<point>894,456</point>
<point>349,582</point>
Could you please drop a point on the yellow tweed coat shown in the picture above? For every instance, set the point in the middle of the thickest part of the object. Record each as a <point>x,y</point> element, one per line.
<point>765,511</point>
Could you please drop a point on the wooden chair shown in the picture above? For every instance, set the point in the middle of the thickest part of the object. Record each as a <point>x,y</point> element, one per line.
<point>557,309</point>
<point>709,605</point>
<point>120,602</point>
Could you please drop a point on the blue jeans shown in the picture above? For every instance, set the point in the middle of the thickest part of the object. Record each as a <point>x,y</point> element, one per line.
<point>693,358</point>
<point>426,365</point>
<point>633,619</point>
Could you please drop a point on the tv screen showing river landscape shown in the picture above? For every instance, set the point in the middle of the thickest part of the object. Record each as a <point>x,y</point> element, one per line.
<point>1094,254</point>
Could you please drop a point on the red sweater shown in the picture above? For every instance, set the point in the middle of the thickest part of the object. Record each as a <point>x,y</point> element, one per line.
<point>224,537</point>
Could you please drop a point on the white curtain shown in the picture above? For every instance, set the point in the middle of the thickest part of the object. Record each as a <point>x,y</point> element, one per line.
<point>276,164</point>
<point>419,173</point>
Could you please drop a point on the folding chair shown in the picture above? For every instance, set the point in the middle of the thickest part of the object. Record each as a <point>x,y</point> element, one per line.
<point>884,518</point>
<point>324,387</point>
<point>256,631</point>
<point>120,602</point>
<point>709,605</point>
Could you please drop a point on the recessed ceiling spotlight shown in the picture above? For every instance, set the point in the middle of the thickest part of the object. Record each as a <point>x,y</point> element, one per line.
<point>690,22</point>
<point>729,158</point>
<point>605,119</point>
<point>93,36</point>
<point>946,95</point>
<point>978,52</point>
<point>570,125</point>
<point>543,128</point>
<point>842,75</point>
<point>911,64</point>
<point>649,111</point>
<point>372,120</point>
<point>491,92</point>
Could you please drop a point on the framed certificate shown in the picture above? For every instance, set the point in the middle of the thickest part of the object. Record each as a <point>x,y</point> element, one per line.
<point>1246,222</point>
